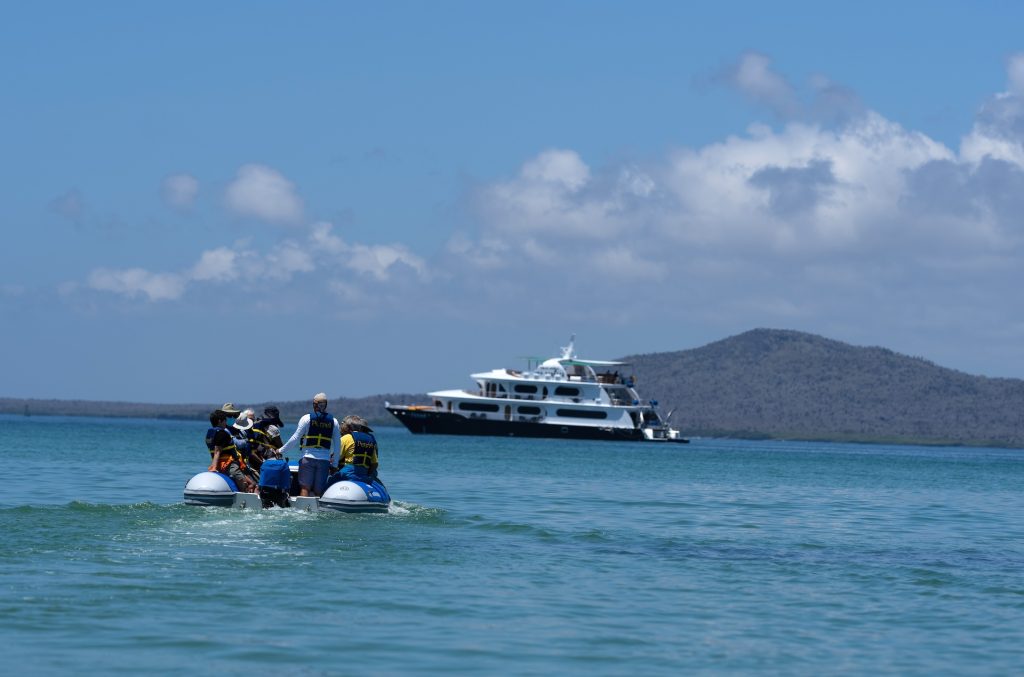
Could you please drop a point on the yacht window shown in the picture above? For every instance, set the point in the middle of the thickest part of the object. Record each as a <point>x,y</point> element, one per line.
<point>567,391</point>
<point>619,395</point>
<point>529,411</point>
<point>476,406</point>
<point>581,413</point>
<point>521,388</point>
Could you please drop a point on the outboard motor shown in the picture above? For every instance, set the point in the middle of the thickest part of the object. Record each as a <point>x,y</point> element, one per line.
<point>210,488</point>
<point>275,481</point>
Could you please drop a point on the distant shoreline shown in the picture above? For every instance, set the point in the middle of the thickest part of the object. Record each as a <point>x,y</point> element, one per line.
<point>134,410</point>
<point>371,408</point>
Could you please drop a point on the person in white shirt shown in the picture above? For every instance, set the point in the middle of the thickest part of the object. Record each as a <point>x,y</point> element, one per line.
<point>317,437</point>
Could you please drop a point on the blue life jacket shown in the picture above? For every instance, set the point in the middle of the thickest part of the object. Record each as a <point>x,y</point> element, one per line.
<point>364,455</point>
<point>321,429</point>
<point>230,450</point>
<point>258,432</point>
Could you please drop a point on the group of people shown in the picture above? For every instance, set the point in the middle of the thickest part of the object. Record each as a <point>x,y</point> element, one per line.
<point>330,451</point>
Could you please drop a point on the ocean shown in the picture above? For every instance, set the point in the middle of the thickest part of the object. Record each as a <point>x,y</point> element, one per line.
<point>513,556</point>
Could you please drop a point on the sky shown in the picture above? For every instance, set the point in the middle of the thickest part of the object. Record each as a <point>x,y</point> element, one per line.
<point>256,201</point>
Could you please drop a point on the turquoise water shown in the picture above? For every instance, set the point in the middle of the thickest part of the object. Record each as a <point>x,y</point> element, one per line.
<point>515,557</point>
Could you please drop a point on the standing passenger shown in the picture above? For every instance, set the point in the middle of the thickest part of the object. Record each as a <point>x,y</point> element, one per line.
<point>317,437</point>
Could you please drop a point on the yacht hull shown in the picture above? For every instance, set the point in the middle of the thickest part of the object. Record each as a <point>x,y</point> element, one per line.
<point>422,420</point>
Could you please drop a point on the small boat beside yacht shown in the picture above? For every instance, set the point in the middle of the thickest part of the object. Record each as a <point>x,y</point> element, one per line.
<point>561,397</point>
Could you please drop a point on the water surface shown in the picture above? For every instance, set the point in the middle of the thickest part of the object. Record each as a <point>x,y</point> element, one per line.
<point>515,557</point>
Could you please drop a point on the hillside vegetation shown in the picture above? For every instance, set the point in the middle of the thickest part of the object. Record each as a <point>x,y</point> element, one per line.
<point>765,383</point>
<point>788,384</point>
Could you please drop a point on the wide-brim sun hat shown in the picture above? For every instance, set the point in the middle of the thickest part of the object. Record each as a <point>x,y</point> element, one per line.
<point>230,409</point>
<point>273,415</point>
<point>242,424</point>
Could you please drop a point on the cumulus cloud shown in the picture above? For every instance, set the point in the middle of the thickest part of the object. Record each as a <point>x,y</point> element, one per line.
<point>321,252</point>
<point>180,190</point>
<point>801,189</point>
<point>555,193</point>
<point>795,190</point>
<point>380,261</point>
<point>216,265</point>
<point>998,131</point>
<point>823,100</point>
<point>264,193</point>
<point>133,282</point>
<point>769,225</point>
<point>753,76</point>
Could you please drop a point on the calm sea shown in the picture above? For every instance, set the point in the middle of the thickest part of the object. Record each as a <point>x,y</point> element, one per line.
<point>514,557</point>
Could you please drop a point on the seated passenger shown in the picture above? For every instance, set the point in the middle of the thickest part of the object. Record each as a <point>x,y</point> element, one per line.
<point>224,455</point>
<point>240,431</point>
<point>265,435</point>
<point>358,451</point>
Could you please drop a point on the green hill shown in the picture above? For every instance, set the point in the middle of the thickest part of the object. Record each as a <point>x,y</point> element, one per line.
<point>787,384</point>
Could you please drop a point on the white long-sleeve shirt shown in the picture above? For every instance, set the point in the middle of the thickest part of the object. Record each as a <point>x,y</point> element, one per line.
<point>314,452</point>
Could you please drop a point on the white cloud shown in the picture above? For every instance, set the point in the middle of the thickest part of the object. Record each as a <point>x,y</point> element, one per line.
<point>753,76</point>
<point>265,194</point>
<point>376,260</point>
<point>555,193</point>
<point>380,260</point>
<point>290,258</point>
<point>998,131</point>
<point>216,265</point>
<point>133,282</point>
<point>1015,74</point>
<point>559,167</point>
<point>802,189</point>
<point>321,250</point>
<point>180,190</point>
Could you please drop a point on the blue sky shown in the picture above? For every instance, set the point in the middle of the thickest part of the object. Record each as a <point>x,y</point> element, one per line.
<point>256,201</point>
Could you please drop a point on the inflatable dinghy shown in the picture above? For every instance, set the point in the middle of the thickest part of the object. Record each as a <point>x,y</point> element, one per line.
<point>219,490</point>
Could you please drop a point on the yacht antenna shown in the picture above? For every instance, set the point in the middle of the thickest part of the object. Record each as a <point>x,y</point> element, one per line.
<point>569,351</point>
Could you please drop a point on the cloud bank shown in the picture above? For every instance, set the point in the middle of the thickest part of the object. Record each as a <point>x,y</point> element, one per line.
<point>838,214</point>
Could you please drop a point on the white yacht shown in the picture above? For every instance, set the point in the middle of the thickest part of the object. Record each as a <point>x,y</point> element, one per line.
<point>561,397</point>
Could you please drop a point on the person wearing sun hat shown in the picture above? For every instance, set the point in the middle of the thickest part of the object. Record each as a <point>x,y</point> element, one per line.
<point>266,434</point>
<point>317,436</point>
<point>225,457</point>
<point>240,430</point>
<point>237,427</point>
<point>230,409</point>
